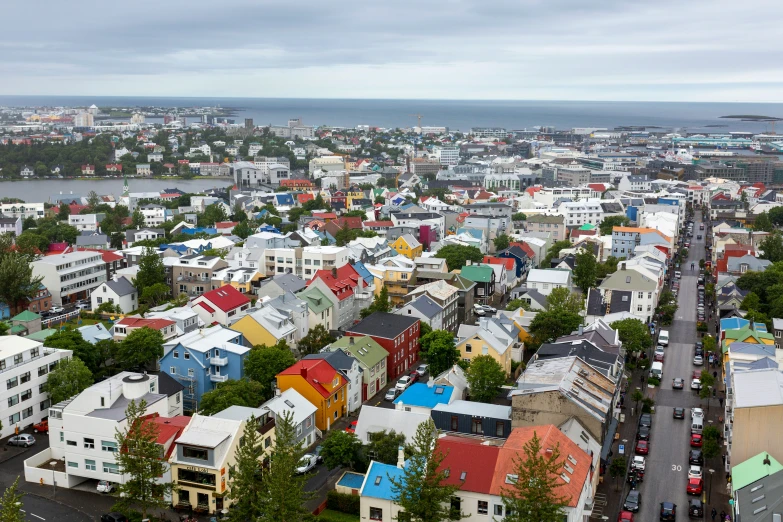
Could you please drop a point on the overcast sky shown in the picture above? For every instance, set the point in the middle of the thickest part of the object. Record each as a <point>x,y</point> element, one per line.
<point>673,50</point>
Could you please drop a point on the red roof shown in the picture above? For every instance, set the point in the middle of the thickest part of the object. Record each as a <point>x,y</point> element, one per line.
<point>226,224</point>
<point>304,198</point>
<point>341,286</point>
<point>169,196</point>
<point>509,263</point>
<point>139,322</point>
<point>532,190</point>
<point>114,166</point>
<point>734,251</point>
<point>315,372</point>
<point>379,223</point>
<point>168,428</point>
<point>598,187</point>
<point>353,222</point>
<point>206,307</point>
<point>295,183</point>
<point>226,298</point>
<point>325,215</point>
<point>76,209</point>
<point>469,456</point>
<point>525,247</point>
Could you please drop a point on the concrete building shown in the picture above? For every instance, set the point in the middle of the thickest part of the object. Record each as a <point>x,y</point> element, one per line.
<point>81,222</point>
<point>70,277</point>
<point>22,210</point>
<point>154,215</point>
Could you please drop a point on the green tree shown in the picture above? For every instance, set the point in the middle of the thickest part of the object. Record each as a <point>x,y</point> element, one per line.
<point>116,240</point>
<point>11,504</point>
<point>243,392</point>
<point>4,328</point>
<point>281,485</point>
<point>607,267</point>
<point>137,219</point>
<point>63,212</point>
<point>708,343</point>
<point>516,304</point>
<point>30,241</point>
<point>561,299</point>
<point>212,214</point>
<point>617,468</point>
<point>93,199</point>
<point>609,223</point>
<point>551,324</point>
<point>140,463</point>
<point>244,488</point>
<point>17,282</point>
<point>519,216</point>
<point>243,230</point>
<point>73,340</point>
<point>151,270</point>
<point>341,448</point>
<point>751,302</point>
<point>384,446</point>
<point>69,378</point>
<point>554,252</point>
<point>155,295</point>
<point>637,396</point>
<point>535,494</point>
<point>710,448</point>
<point>763,223</point>
<point>316,338</point>
<point>634,335</point>
<point>772,247</point>
<point>422,491</point>
<point>485,376</point>
<point>501,242</point>
<point>141,348</point>
<point>437,348</point>
<point>667,306</point>
<point>263,363</point>
<point>585,271</point>
<point>457,256</point>
<point>380,303</point>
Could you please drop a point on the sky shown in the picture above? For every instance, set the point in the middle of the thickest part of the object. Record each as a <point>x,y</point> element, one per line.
<point>662,50</point>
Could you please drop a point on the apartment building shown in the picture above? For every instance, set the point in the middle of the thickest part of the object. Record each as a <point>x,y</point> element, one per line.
<point>24,365</point>
<point>578,213</point>
<point>88,222</point>
<point>304,262</point>
<point>446,155</point>
<point>23,210</point>
<point>154,215</point>
<point>70,277</point>
<point>192,274</point>
<point>11,225</point>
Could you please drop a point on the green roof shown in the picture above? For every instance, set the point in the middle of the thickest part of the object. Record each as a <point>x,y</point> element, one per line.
<point>26,316</point>
<point>477,273</point>
<point>363,348</point>
<point>17,328</point>
<point>42,335</point>
<point>753,469</point>
<point>316,300</point>
<point>587,226</point>
<point>742,334</point>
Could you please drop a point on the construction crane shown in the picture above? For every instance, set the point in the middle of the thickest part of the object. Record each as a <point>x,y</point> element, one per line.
<point>419,117</point>
<point>416,139</point>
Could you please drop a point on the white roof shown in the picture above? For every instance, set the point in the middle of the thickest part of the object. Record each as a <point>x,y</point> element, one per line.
<point>373,419</point>
<point>549,275</point>
<point>207,339</point>
<point>291,401</point>
<point>68,258</point>
<point>758,388</point>
<point>211,432</point>
<point>11,345</point>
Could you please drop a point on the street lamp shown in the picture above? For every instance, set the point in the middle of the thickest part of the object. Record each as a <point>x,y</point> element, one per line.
<point>709,494</point>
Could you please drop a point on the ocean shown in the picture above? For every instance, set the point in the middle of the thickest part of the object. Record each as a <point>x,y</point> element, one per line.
<point>454,114</point>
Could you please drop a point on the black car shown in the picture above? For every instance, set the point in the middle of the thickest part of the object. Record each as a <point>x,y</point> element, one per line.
<point>695,508</point>
<point>668,511</point>
<point>695,457</point>
<point>633,501</point>
<point>114,517</point>
<point>699,351</point>
<point>645,420</point>
<point>643,433</point>
<point>679,413</point>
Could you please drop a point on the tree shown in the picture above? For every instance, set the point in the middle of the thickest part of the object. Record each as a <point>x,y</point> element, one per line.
<point>155,295</point>
<point>561,299</point>
<point>380,303</point>
<point>516,304</point>
<point>554,252</point>
<point>244,488</point>
<point>384,446</point>
<point>438,349</point>
<point>243,392</point>
<point>637,396</point>
<point>281,485</point>
<point>518,216</point>
<point>11,504</point>
<point>535,494</point>
<point>585,271</point>
<point>108,308</point>
<point>772,247</point>
<point>316,338</point>
<point>667,306</point>
<point>457,256</point>
<point>341,448</point>
<point>141,348</point>
<point>63,212</point>
<point>137,219</point>
<point>607,267</point>
<point>213,214</point>
<point>243,230</point>
<point>501,242</point>
<point>263,363</point>
<point>485,376</point>
<point>4,328</point>
<point>422,491</point>
<point>151,270</point>
<point>116,239</point>
<point>93,199</point>
<point>551,324</point>
<point>763,223</point>
<point>30,241</point>
<point>708,343</point>
<point>17,282</point>
<point>70,377</point>
<point>751,302</point>
<point>73,340</point>
<point>617,468</point>
<point>634,335</point>
<point>710,448</point>
<point>140,462</point>
<point>609,223</point>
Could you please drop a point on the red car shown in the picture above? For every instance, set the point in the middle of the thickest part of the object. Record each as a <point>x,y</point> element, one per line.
<point>625,516</point>
<point>696,440</point>
<point>42,427</point>
<point>695,486</point>
<point>352,427</point>
<point>642,447</point>
<point>414,377</point>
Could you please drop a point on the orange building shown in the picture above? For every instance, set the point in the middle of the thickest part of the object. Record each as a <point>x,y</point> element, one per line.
<point>321,384</point>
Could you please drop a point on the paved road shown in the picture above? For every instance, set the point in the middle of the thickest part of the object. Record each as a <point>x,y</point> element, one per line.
<point>38,509</point>
<point>666,477</point>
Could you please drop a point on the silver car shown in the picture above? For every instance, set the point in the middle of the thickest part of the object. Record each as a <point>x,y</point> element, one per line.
<point>698,360</point>
<point>23,440</point>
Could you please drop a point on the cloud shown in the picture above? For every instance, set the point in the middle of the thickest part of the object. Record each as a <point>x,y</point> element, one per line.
<point>701,50</point>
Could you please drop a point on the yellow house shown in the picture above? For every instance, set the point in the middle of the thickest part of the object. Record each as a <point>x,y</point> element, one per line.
<point>396,274</point>
<point>522,322</point>
<point>745,335</point>
<point>491,337</point>
<point>352,193</point>
<point>407,245</point>
<point>321,384</point>
<point>240,278</point>
<point>266,326</point>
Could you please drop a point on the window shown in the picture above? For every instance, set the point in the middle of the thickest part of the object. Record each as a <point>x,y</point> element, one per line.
<point>70,442</point>
<point>18,358</point>
<point>499,429</point>
<point>45,404</point>
<point>639,308</point>
<point>498,510</point>
<point>12,383</point>
<point>376,513</point>
<point>27,394</point>
<point>100,299</point>
<point>13,419</point>
<point>468,348</point>
<point>191,372</point>
<point>483,507</point>
<point>89,465</point>
<point>89,443</point>
<point>43,370</point>
<point>176,354</point>
<point>25,377</point>
<point>110,467</point>
<point>73,464</point>
<point>187,355</point>
<point>173,370</point>
<point>454,423</point>
<point>109,445</point>
<point>13,400</point>
<point>476,427</point>
<point>641,295</point>
<point>195,453</point>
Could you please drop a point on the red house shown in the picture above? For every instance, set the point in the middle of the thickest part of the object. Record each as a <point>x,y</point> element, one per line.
<point>398,334</point>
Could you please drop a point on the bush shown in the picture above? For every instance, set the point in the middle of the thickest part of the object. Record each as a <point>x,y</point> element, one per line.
<point>647,405</point>
<point>335,516</point>
<point>655,381</point>
<point>343,502</point>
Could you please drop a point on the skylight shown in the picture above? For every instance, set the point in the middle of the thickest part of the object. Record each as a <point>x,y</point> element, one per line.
<point>378,480</point>
<point>463,475</point>
<point>289,403</point>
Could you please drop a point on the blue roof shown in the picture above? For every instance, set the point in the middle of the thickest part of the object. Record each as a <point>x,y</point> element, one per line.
<point>268,228</point>
<point>182,249</point>
<point>765,363</point>
<point>733,323</point>
<point>377,483</point>
<point>752,348</point>
<point>422,395</point>
<point>351,480</point>
<point>363,272</point>
<point>197,230</point>
<point>476,233</point>
<point>284,199</point>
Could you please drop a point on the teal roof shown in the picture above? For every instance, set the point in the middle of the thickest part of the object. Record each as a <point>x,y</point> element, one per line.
<point>316,300</point>
<point>477,273</point>
<point>26,316</point>
<point>363,347</point>
<point>42,335</point>
<point>753,469</point>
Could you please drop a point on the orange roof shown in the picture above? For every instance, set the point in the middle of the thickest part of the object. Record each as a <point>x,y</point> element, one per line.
<point>509,263</point>
<point>139,322</point>
<point>304,198</point>
<point>642,230</point>
<point>550,437</point>
<point>315,372</point>
<point>471,457</point>
<point>226,224</point>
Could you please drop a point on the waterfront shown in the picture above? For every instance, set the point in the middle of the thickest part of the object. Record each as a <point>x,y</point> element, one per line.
<point>45,190</point>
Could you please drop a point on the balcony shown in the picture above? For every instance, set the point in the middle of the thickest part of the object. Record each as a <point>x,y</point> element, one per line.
<point>218,378</point>
<point>218,361</point>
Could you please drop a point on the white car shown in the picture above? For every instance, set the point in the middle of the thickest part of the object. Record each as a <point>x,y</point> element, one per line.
<point>104,486</point>
<point>639,462</point>
<point>659,350</point>
<point>308,462</point>
<point>56,309</point>
<point>697,413</point>
<point>422,369</point>
<point>694,472</point>
<point>698,360</point>
<point>696,384</point>
<point>403,382</point>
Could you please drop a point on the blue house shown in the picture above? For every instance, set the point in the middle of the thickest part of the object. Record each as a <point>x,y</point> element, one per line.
<point>202,359</point>
<point>520,257</point>
<point>376,495</point>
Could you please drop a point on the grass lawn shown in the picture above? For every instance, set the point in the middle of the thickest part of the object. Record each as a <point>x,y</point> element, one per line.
<point>336,516</point>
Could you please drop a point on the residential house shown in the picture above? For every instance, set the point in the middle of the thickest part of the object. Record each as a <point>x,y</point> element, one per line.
<point>372,359</point>
<point>295,309</point>
<point>321,384</point>
<point>41,301</point>
<point>222,305</point>
<point>279,284</point>
<point>644,290</point>
<point>141,234</point>
<point>555,224</point>
<point>346,289</point>
<point>473,418</point>
<point>302,412</point>
<point>118,291</point>
<point>82,222</point>
<point>422,397</point>
<point>185,318</point>
<point>406,245</point>
<point>757,479</point>
<point>546,280</point>
<point>396,274</point>
<point>321,309</point>
<point>484,277</point>
<point>425,309</point>
<point>265,421</point>
<point>376,495</point>
<point>192,274</point>
<point>351,371</point>
<point>154,214</point>
<point>397,334</point>
<point>492,336</point>
<point>11,225</point>
<point>374,419</point>
<point>266,325</point>
<point>125,326</point>
<point>445,296</point>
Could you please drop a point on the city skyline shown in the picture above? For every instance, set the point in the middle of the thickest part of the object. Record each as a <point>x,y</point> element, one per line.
<point>699,51</point>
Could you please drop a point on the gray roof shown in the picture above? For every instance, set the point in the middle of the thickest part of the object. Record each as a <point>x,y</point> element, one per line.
<point>338,359</point>
<point>384,325</point>
<point>426,306</point>
<point>620,301</point>
<point>92,239</point>
<point>600,360</point>
<point>478,409</point>
<point>121,286</point>
<point>117,410</point>
<point>285,282</point>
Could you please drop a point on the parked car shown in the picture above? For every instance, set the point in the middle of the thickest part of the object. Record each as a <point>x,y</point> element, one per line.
<point>414,375</point>
<point>351,428</point>
<point>42,426</point>
<point>695,508</point>
<point>696,384</point>
<point>307,463</point>
<point>659,354</point>
<point>392,393</point>
<point>23,440</point>
<point>698,360</point>
<point>643,433</point>
<point>422,369</point>
<point>625,516</point>
<point>403,382</point>
<point>694,472</point>
<point>639,463</point>
<point>695,457</point>
<point>668,511</point>
<point>481,310</point>
<point>679,413</point>
<point>642,447</point>
<point>695,486</point>
<point>56,310</point>
<point>114,517</point>
<point>645,420</point>
<point>677,383</point>
<point>697,413</point>
<point>104,486</point>
<point>696,440</point>
<point>633,501</point>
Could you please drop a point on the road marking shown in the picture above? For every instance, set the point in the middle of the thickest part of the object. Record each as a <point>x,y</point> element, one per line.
<point>36,516</point>
<point>676,467</point>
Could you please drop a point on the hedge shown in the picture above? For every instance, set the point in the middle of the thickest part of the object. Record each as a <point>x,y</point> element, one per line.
<point>343,502</point>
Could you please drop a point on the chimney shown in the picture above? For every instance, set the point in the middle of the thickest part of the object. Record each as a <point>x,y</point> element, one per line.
<point>303,372</point>
<point>549,452</point>
<point>400,457</point>
<point>622,266</point>
<point>350,340</point>
<point>767,462</point>
<point>430,382</point>
<point>334,272</point>
<point>580,329</point>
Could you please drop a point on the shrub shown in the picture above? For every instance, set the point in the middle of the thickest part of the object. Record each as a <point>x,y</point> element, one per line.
<point>343,502</point>
<point>647,405</point>
<point>655,381</point>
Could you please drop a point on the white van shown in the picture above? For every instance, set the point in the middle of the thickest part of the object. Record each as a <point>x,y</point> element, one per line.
<point>656,370</point>
<point>663,338</point>
<point>697,425</point>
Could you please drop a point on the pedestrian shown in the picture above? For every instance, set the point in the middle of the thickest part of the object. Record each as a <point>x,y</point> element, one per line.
<point>723,515</point>
<point>714,513</point>
<point>720,401</point>
<point>714,375</point>
<point>724,459</point>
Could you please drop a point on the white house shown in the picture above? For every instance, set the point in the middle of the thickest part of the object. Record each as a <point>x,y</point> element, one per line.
<point>223,305</point>
<point>427,310</point>
<point>117,291</point>
<point>546,280</point>
<point>154,215</point>
<point>84,222</point>
<point>24,365</point>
